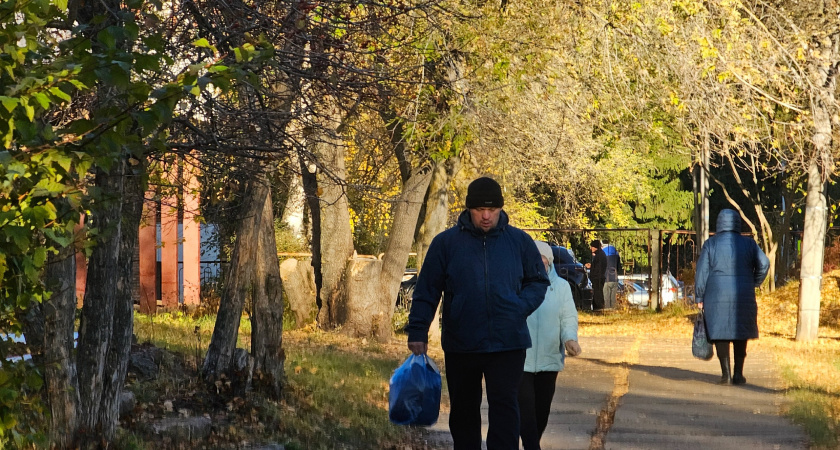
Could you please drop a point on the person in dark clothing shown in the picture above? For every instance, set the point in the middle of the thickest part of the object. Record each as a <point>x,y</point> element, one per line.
<point>597,274</point>
<point>729,270</point>
<point>610,273</point>
<point>492,277</point>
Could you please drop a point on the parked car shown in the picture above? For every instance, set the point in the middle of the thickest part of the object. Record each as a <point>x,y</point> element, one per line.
<point>637,289</point>
<point>570,269</point>
<point>635,293</point>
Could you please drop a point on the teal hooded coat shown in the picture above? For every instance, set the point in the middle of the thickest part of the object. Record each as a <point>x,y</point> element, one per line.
<point>729,270</point>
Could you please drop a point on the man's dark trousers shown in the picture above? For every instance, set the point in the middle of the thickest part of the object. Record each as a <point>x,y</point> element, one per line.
<point>502,373</point>
<point>598,293</point>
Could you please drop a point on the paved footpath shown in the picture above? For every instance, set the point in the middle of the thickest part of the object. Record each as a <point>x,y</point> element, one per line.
<point>660,397</point>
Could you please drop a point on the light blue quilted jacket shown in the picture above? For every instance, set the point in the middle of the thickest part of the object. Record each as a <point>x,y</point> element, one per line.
<point>552,324</point>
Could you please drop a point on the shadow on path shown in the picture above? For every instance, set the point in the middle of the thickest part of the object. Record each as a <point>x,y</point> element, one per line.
<point>677,374</point>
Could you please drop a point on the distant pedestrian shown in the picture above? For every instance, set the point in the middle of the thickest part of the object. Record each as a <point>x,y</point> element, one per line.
<point>610,273</point>
<point>553,328</point>
<point>597,274</point>
<point>729,270</point>
<point>492,278</point>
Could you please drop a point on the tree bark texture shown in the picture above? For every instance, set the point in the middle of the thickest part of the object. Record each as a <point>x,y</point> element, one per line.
<point>241,272</point>
<point>267,298</point>
<point>435,209</point>
<point>813,248</point>
<point>299,285</point>
<point>820,163</point>
<point>116,359</point>
<point>335,235</point>
<point>787,251</point>
<point>372,285</point>
<point>365,312</point>
<point>434,217</point>
<point>295,209</point>
<point>57,316</point>
<point>400,238</point>
<point>96,327</point>
<point>310,188</point>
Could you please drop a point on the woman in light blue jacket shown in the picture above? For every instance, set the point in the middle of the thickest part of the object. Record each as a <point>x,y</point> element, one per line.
<point>553,328</point>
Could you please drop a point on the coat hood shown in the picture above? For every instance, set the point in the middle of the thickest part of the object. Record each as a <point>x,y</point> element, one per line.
<point>728,220</point>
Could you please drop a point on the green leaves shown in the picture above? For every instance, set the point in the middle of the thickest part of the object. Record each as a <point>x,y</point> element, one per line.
<point>244,53</point>
<point>204,43</point>
<point>58,93</point>
<point>9,103</point>
<point>72,101</point>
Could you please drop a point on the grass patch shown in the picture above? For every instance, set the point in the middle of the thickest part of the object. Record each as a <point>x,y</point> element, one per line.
<point>810,370</point>
<point>336,392</point>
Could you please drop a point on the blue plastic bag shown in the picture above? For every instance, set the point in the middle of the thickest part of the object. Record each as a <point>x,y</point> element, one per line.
<point>414,398</point>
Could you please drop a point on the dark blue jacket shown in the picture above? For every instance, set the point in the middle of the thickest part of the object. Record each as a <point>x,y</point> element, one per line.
<point>613,263</point>
<point>729,270</point>
<point>491,282</point>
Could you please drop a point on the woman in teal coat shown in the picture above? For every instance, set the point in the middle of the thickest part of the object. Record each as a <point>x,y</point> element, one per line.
<point>553,328</point>
<point>729,270</point>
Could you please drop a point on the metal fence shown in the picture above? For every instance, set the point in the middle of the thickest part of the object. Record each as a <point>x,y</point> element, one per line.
<point>649,257</point>
<point>212,278</point>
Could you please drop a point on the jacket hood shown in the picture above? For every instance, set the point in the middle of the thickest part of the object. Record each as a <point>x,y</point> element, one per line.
<point>465,222</point>
<point>728,220</point>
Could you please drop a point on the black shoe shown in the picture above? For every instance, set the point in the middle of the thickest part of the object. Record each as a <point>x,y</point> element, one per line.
<point>725,371</point>
<point>739,379</point>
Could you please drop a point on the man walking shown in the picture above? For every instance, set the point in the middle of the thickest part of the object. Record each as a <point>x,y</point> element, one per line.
<point>491,277</point>
<point>611,273</point>
<point>597,273</point>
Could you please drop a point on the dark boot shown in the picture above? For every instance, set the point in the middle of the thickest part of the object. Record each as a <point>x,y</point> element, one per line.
<point>725,371</point>
<point>738,377</point>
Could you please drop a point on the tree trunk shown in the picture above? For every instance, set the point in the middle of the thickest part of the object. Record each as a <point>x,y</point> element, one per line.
<point>400,239</point>
<point>372,285</point>
<point>116,360</point>
<point>54,322</point>
<point>336,238</point>
<point>705,222</point>
<point>299,285</point>
<point>309,176</point>
<point>295,210</point>
<point>365,312</point>
<point>96,327</point>
<point>435,211</point>
<point>219,357</point>
<point>823,103</point>
<point>267,318</point>
<point>786,249</point>
<point>771,273</point>
<point>813,247</point>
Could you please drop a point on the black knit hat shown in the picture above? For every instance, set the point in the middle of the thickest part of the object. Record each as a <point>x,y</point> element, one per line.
<point>595,244</point>
<point>484,192</point>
